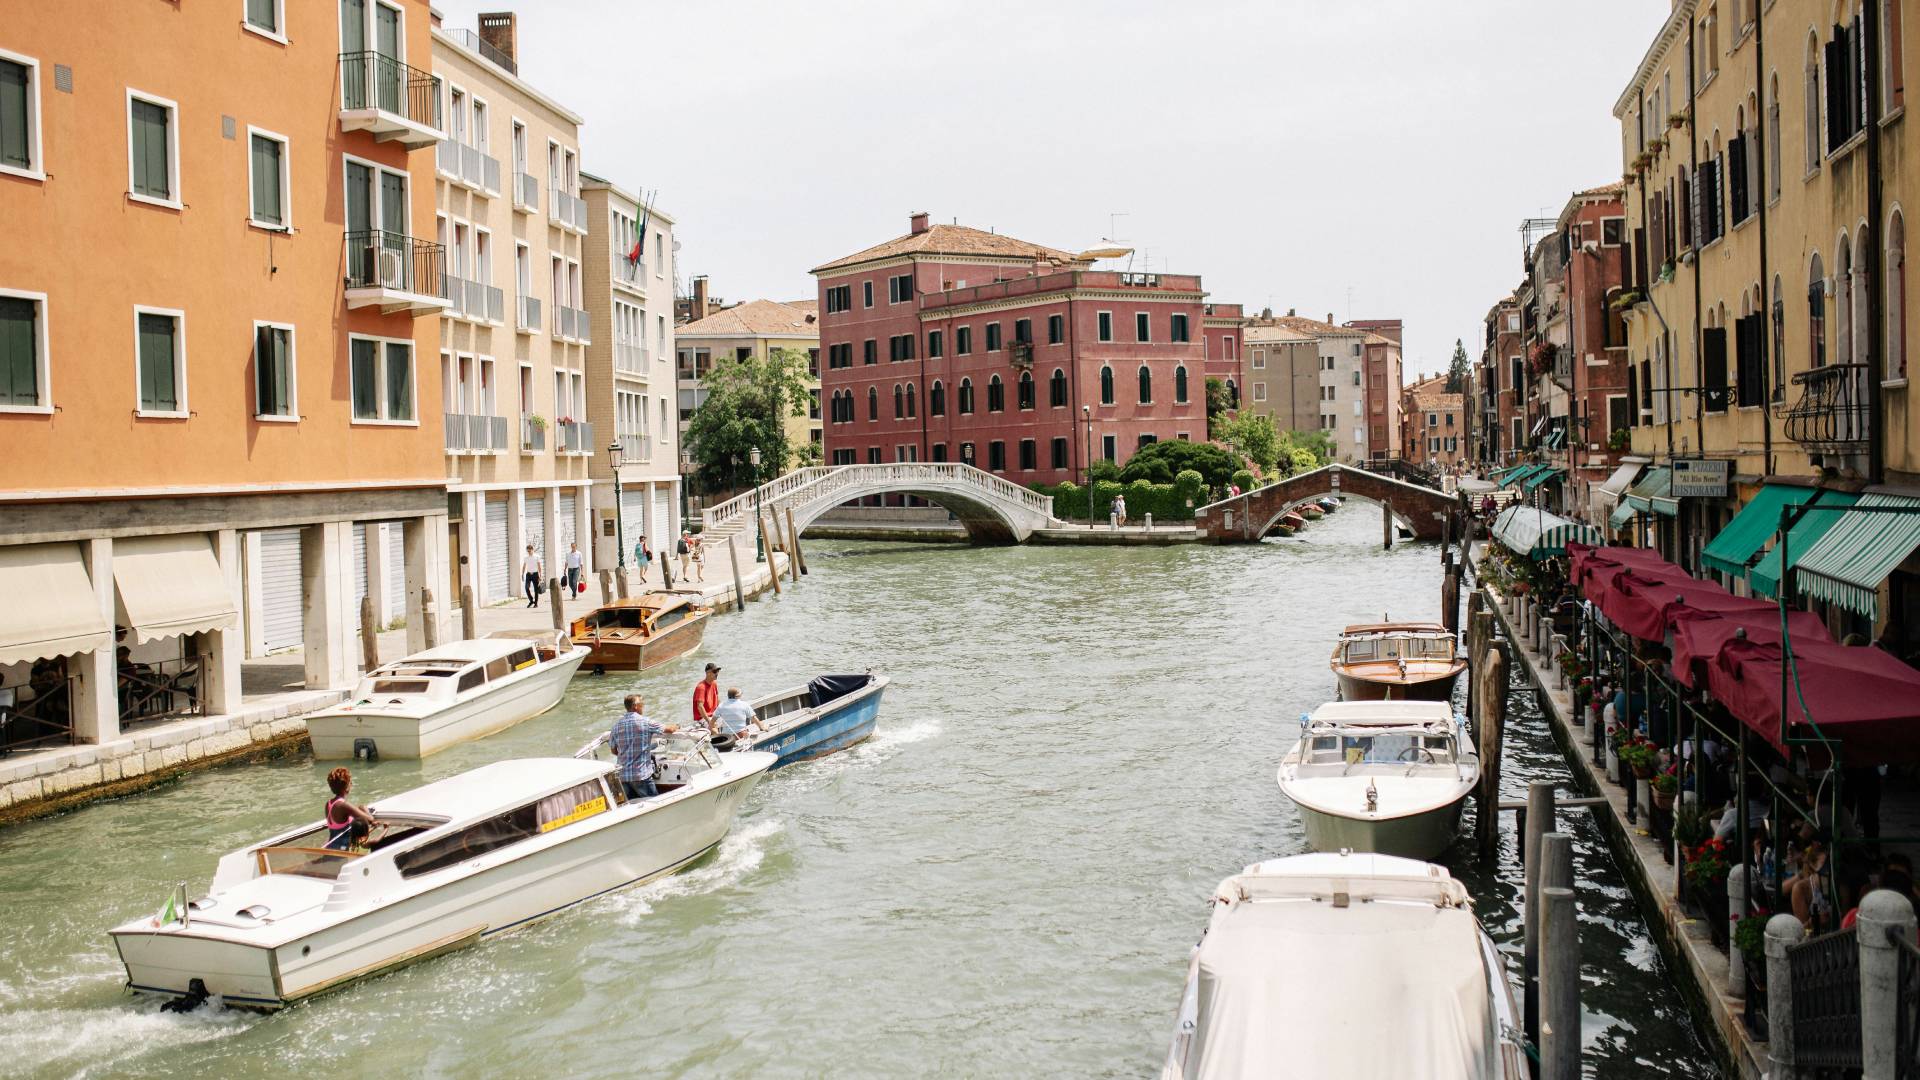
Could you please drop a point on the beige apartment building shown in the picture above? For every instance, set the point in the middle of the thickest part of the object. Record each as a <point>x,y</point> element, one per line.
<point>629,276</point>
<point>753,329</point>
<point>1282,376</point>
<point>514,341</point>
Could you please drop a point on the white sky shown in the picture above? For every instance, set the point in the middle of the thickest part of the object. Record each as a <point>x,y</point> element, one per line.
<point>1292,154</point>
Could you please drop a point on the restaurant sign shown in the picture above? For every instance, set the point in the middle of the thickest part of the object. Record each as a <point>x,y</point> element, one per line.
<point>1700,478</point>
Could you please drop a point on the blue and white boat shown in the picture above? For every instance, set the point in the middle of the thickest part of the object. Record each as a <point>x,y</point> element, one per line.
<point>825,716</point>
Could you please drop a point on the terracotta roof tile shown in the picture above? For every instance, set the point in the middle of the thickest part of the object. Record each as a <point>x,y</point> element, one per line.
<point>952,240</point>
<point>757,318</point>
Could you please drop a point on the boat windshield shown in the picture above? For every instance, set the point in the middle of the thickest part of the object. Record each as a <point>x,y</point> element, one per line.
<point>1395,648</point>
<point>1387,748</point>
<point>400,686</point>
<point>313,862</point>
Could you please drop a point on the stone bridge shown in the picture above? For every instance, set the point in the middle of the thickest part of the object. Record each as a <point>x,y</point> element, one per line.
<point>1247,517</point>
<point>994,511</point>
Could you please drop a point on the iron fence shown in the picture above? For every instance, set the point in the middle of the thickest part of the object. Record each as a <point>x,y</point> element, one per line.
<point>1907,1019</point>
<point>162,691</point>
<point>1826,1001</point>
<point>36,713</point>
<point>371,80</point>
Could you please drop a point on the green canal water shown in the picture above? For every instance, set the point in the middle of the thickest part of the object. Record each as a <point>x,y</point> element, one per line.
<point>1005,881</point>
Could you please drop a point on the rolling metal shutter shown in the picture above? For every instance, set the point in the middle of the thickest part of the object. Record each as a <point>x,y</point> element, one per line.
<point>499,559</point>
<point>661,527</point>
<point>282,609</point>
<point>564,523</point>
<point>359,567</point>
<point>535,530</point>
<point>397,570</point>
<point>633,517</point>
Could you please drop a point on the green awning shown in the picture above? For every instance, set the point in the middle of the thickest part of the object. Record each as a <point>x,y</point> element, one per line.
<point>1847,565</point>
<point>1751,528</point>
<point>1551,472</point>
<point>1554,438</point>
<point>1500,475</point>
<point>1764,579</point>
<point>1651,494</point>
<point>1622,516</point>
<point>1521,475</point>
<point>1536,534</point>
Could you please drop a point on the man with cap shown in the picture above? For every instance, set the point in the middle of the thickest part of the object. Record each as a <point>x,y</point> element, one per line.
<point>706,699</point>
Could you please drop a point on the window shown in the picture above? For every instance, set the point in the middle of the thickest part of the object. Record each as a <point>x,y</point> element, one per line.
<point>866,293</point>
<point>940,452</point>
<point>267,173</point>
<point>1105,319</point>
<point>1259,391</point>
<point>899,402</point>
<point>20,116</point>
<point>1846,84</point>
<point>936,345</point>
<point>1056,329</point>
<point>1146,440</point>
<point>840,356</point>
<point>993,337</point>
<point>1259,359</point>
<point>963,341</point>
<point>870,352</point>
<point>1109,447</point>
<point>474,840</point>
<point>966,397</point>
<point>1773,137</point>
<point>1894,310</point>
<point>273,385</point>
<point>1613,231</point>
<point>1177,327</point>
<point>1106,385</point>
<point>266,16</point>
<point>1810,112</point>
<point>839,298</point>
<point>1059,453</point>
<point>997,456</point>
<point>382,378</point>
<point>1026,391</point>
<point>996,395</point>
<point>1029,455</point>
<point>873,403</point>
<point>900,347</point>
<point>153,156</point>
<point>913,398</point>
<point>1142,327</point>
<point>1146,385</point>
<point>1779,341</point>
<point>23,352</point>
<point>160,337</point>
<point>1057,389</point>
<point>899,289</point>
<point>1023,331</point>
<point>937,399</point>
<point>1180,386</point>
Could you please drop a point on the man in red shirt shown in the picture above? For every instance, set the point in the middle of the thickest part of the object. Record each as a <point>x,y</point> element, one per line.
<point>706,699</point>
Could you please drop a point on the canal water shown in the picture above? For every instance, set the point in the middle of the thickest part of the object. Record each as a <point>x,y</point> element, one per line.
<point>1006,880</point>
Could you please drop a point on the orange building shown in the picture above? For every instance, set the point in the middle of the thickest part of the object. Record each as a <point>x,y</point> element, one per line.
<point>219,421</point>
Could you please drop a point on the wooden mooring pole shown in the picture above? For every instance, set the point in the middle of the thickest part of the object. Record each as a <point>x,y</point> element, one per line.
<point>554,592</point>
<point>793,538</point>
<point>1386,525</point>
<point>1491,727</point>
<point>606,587</point>
<point>1450,601</point>
<point>739,591</point>
<point>1539,873</point>
<point>369,636</point>
<point>770,537</point>
<point>469,614</point>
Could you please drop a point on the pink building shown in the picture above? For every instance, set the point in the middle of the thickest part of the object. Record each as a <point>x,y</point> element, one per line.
<point>954,344</point>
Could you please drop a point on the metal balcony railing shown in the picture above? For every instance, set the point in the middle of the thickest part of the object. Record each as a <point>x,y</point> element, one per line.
<point>1833,415</point>
<point>562,322</point>
<point>629,355</point>
<point>479,170</point>
<point>624,271</point>
<point>568,210</point>
<point>475,43</point>
<point>485,302</point>
<point>37,712</point>
<point>456,431</point>
<point>527,313</point>
<point>576,437</point>
<point>532,436</point>
<point>487,432</point>
<point>378,259</point>
<point>371,80</point>
<point>1826,1000</point>
<point>526,191</point>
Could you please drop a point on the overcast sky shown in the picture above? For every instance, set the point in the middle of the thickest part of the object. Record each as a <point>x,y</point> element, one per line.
<point>1368,158</point>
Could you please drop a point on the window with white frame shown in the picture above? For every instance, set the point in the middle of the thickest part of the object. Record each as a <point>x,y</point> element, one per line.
<point>23,352</point>
<point>20,116</point>
<point>273,372</point>
<point>382,379</point>
<point>1260,391</point>
<point>268,17</point>
<point>271,189</point>
<point>153,150</point>
<point>486,394</point>
<point>519,147</point>
<point>160,358</point>
<point>1259,358</point>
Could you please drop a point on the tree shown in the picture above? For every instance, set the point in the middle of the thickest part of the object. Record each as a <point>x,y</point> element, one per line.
<point>1218,402</point>
<point>1315,444</point>
<point>747,405</point>
<point>1457,370</point>
<point>1252,437</point>
<point>1162,462</point>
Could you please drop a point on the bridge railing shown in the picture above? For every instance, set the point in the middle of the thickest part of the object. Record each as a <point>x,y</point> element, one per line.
<point>824,482</point>
<point>740,507</point>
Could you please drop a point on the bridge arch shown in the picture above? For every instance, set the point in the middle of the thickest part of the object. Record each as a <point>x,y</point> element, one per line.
<point>992,510</point>
<point>1247,517</point>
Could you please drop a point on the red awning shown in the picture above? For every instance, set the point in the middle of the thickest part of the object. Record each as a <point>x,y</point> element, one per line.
<point>1699,635</point>
<point>1864,698</point>
<point>1587,564</point>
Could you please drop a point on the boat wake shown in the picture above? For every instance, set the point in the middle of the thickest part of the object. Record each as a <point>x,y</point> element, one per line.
<point>83,1041</point>
<point>739,854</point>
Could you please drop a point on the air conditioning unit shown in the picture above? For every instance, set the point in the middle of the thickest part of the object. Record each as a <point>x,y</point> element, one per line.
<point>392,269</point>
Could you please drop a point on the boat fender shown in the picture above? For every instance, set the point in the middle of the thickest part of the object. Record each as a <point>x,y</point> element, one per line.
<point>195,996</point>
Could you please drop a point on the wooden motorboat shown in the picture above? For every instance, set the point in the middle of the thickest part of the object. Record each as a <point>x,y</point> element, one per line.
<point>1396,661</point>
<point>1329,503</point>
<point>1385,776</point>
<point>640,632</point>
<point>1310,511</point>
<point>448,694</point>
<point>1345,965</point>
<point>828,714</point>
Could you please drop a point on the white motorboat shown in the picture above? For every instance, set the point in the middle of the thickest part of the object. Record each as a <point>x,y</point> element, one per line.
<point>455,861</point>
<point>462,690</point>
<point>1349,965</point>
<point>1386,776</point>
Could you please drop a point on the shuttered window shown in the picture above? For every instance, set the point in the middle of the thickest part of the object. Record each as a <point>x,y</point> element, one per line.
<point>1749,350</point>
<point>264,14</point>
<point>1177,327</point>
<point>19,352</point>
<point>159,363</point>
<point>365,361</point>
<point>268,165</point>
<point>1056,329</point>
<point>1713,349</point>
<point>273,371</point>
<point>399,381</point>
<point>16,115</point>
<point>151,148</point>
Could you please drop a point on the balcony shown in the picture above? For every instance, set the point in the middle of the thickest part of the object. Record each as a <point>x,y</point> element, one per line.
<point>394,102</point>
<point>630,357</point>
<point>568,212</point>
<point>533,434</point>
<point>470,433</point>
<point>473,42</point>
<point>526,192</point>
<point>468,166</point>
<point>576,437</point>
<point>628,273</point>
<point>572,324</point>
<point>396,273</point>
<point>526,314</point>
<point>1834,413</point>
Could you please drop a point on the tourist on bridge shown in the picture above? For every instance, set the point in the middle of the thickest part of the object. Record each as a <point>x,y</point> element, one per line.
<point>530,570</point>
<point>576,563</point>
<point>632,738</point>
<point>706,699</point>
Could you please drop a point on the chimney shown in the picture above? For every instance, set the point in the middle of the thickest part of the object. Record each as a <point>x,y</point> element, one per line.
<point>500,30</point>
<point>1290,313</point>
<point>1330,321</point>
<point>699,297</point>
<point>917,222</point>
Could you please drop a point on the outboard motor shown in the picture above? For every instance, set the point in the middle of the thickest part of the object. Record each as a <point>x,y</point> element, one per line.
<point>195,996</point>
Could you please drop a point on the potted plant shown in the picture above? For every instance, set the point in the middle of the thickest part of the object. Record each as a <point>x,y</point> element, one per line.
<point>1656,144</point>
<point>538,422</point>
<point>1750,937</point>
<point>1677,119</point>
<point>1706,877</point>
<point>1617,440</point>
<point>1666,785</point>
<point>1639,754</point>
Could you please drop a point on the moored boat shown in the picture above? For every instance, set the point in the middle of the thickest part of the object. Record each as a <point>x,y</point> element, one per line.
<point>1329,503</point>
<point>1396,661</point>
<point>1345,965</point>
<point>828,714</point>
<point>1310,511</point>
<point>453,862</point>
<point>1386,776</point>
<point>449,694</point>
<point>640,632</point>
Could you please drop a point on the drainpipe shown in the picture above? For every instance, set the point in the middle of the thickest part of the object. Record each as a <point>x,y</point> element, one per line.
<point>1767,298</point>
<point>1699,369</point>
<point>1876,314</point>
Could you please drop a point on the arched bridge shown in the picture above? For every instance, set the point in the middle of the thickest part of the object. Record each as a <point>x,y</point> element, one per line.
<point>994,511</point>
<point>1247,517</point>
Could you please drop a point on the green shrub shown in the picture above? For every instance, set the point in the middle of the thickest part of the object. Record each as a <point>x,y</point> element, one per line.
<point>1162,462</point>
<point>1103,470</point>
<point>1191,485</point>
<point>1244,478</point>
<point>1165,502</point>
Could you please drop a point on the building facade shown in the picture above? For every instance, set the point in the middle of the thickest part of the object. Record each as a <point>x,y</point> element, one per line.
<point>1283,376</point>
<point>1433,435</point>
<point>205,464</point>
<point>1341,380</point>
<point>754,329</point>
<point>1384,378</point>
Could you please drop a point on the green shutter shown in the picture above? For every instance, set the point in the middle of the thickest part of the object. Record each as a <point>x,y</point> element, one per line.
<point>266,180</point>
<point>261,13</point>
<point>366,385</point>
<point>149,122</point>
<point>19,353</point>
<point>273,373</point>
<point>399,381</point>
<point>15,146</point>
<point>159,390</point>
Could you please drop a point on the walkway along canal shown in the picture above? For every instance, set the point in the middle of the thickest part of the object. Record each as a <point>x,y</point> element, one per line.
<point>1079,744</point>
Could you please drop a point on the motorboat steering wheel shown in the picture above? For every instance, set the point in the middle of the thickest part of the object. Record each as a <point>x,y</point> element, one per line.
<point>1417,753</point>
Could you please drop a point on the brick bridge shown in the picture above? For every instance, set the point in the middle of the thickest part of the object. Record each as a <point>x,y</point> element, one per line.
<point>1244,519</point>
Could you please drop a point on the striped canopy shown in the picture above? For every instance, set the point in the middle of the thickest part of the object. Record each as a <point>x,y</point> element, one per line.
<point>1847,565</point>
<point>1537,534</point>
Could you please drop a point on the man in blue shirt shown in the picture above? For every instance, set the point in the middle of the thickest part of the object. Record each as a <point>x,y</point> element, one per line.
<point>632,738</point>
<point>735,714</point>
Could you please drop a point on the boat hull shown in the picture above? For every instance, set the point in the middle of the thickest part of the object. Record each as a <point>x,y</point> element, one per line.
<point>1423,835</point>
<point>651,840</point>
<point>334,732</point>
<point>676,641</point>
<point>1355,688</point>
<point>841,723</point>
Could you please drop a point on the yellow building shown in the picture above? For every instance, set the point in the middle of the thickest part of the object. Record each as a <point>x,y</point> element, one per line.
<point>1764,143</point>
<point>752,329</point>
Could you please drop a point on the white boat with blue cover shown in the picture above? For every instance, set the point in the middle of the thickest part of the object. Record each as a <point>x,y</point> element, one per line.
<point>827,715</point>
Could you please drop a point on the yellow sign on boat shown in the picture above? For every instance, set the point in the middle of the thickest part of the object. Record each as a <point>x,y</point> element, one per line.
<point>596,805</point>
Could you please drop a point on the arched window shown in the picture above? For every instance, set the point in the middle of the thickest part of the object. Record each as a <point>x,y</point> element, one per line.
<point>1773,137</point>
<point>1896,300</point>
<point>1779,341</point>
<point>1843,303</point>
<point>966,396</point>
<point>1233,394</point>
<point>996,395</point>
<point>937,399</point>
<point>1857,297</point>
<point>1816,313</point>
<point>1685,212</point>
<point>1057,389</point>
<point>1180,384</point>
<point>873,403</point>
<point>1812,114</point>
<point>913,396</point>
<point>1106,385</point>
<point>899,402</point>
<point>1026,390</point>
<point>1146,385</point>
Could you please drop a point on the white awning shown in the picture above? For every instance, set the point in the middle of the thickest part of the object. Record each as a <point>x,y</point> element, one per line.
<point>169,585</point>
<point>1604,497</point>
<point>51,608</point>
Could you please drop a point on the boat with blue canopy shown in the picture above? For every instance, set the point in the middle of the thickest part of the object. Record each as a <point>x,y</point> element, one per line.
<point>826,715</point>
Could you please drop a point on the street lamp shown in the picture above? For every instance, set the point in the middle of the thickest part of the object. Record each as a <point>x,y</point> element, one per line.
<point>1086,458</point>
<point>759,517</point>
<point>619,518</point>
<point>686,483</point>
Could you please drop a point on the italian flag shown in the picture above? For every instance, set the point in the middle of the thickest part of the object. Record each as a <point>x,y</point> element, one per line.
<point>168,914</point>
<point>640,235</point>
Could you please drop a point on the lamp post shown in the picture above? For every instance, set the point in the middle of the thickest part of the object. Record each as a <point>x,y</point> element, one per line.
<point>759,518</point>
<point>686,483</point>
<point>619,511</point>
<point>1086,458</point>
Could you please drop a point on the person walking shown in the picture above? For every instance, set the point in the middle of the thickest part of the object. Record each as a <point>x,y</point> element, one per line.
<point>632,739</point>
<point>683,549</point>
<point>643,557</point>
<point>706,699</point>
<point>1120,508</point>
<point>699,559</point>
<point>530,572</point>
<point>576,565</point>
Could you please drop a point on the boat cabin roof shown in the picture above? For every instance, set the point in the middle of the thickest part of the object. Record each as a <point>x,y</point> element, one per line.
<point>1395,714</point>
<point>653,601</point>
<point>500,786</point>
<point>1359,629</point>
<point>470,651</point>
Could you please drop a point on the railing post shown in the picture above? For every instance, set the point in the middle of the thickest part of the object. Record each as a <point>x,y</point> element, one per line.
<point>1783,932</point>
<point>1736,910</point>
<point>1883,915</point>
